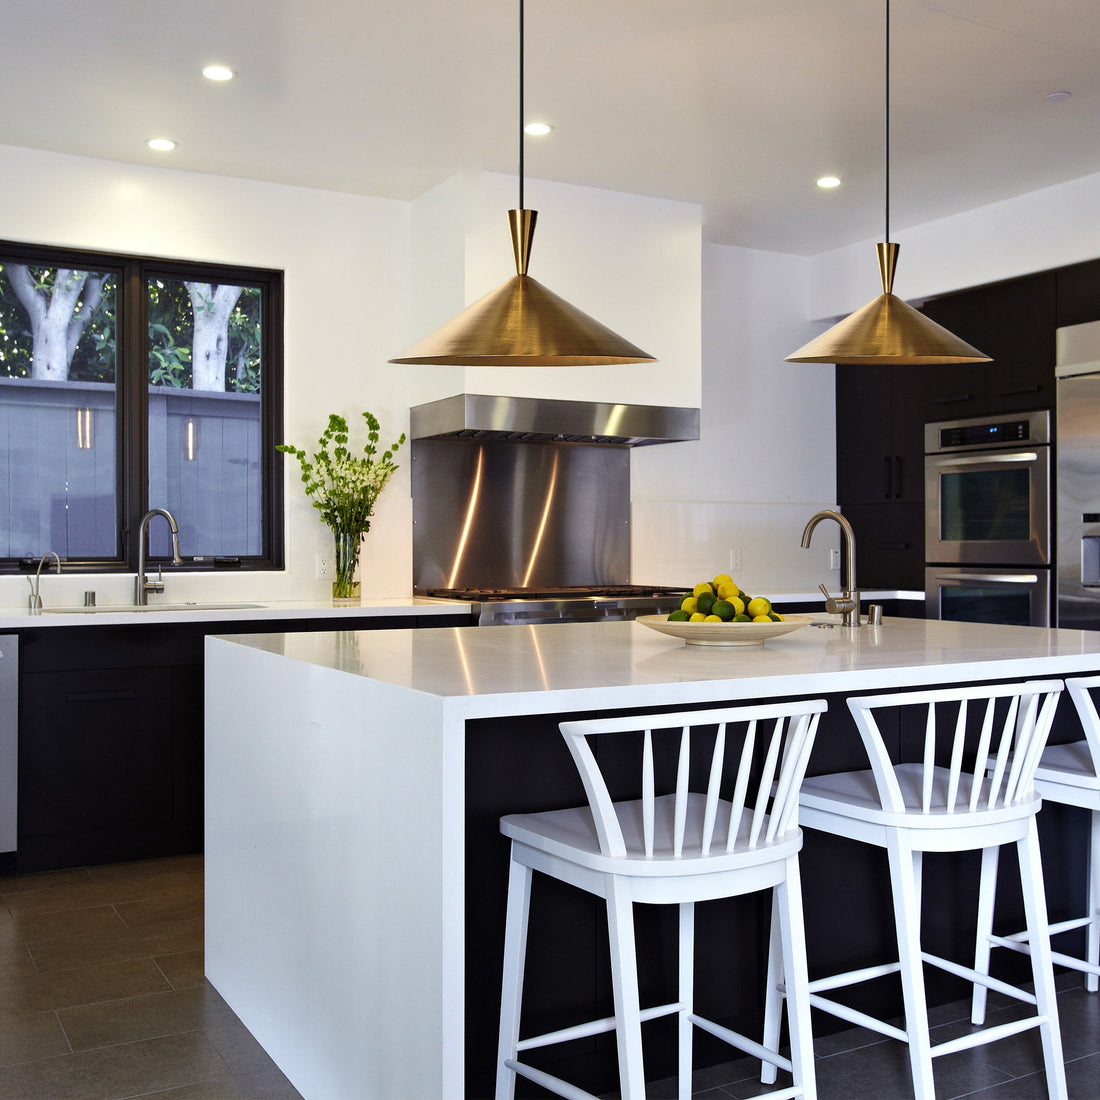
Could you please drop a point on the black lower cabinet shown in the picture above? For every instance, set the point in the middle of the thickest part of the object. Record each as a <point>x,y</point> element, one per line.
<point>111,738</point>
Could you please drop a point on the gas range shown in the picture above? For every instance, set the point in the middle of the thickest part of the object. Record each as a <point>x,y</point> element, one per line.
<point>583,603</point>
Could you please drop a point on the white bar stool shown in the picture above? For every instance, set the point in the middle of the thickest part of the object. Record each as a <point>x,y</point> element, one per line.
<point>912,808</point>
<point>671,849</point>
<point>1068,774</point>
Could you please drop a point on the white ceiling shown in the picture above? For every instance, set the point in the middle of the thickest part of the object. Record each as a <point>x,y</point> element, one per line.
<point>737,105</point>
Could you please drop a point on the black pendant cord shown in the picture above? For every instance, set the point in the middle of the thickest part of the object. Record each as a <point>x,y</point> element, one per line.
<point>887,239</point>
<point>521,104</point>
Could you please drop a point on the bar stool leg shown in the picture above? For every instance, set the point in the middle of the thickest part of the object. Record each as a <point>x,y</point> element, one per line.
<point>687,998</point>
<point>515,951</point>
<point>624,984</point>
<point>794,972</point>
<point>773,999</point>
<point>1092,982</point>
<point>987,897</point>
<point>1042,969</point>
<point>905,866</point>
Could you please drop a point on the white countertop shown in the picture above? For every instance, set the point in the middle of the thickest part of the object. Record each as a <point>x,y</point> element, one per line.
<point>14,618</point>
<point>571,666</point>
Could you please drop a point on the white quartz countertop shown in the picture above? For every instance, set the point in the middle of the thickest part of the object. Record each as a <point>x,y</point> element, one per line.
<point>487,671</point>
<point>227,611</point>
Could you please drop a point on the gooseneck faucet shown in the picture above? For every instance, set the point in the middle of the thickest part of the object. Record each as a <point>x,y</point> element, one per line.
<point>34,600</point>
<point>142,585</point>
<point>847,603</point>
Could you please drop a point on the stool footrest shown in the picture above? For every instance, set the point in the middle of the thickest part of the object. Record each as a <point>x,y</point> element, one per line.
<point>853,977</point>
<point>1018,944</point>
<point>972,975</point>
<point>593,1027</point>
<point>549,1081</point>
<point>987,1035</point>
<point>742,1042</point>
<point>860,1019</point>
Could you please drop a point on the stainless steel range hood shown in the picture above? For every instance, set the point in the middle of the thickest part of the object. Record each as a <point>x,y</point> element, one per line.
<point>542,420</point>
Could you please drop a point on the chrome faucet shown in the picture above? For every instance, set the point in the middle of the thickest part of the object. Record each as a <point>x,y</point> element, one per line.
<point>142,585</point>
<point>34,600</point>
<point>847,603</point>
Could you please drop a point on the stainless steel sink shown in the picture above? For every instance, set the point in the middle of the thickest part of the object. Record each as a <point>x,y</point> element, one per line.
<point>103,609</point>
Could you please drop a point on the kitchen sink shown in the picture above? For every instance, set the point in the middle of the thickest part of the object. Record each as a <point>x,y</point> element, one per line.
<point>152,608</point>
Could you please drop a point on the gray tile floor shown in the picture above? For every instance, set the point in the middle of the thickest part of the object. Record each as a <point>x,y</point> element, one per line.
<point>102,995</point>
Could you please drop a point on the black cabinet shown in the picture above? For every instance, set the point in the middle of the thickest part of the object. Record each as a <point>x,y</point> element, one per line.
<point>1078,293</point>
<point>889,543</point>
<point>111,737</point>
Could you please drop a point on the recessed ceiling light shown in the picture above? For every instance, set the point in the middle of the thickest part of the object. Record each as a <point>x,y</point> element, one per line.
<point>1058,97</point>
<point>827,182</point>
<point>161,145</point>
<point>537,129</point>
<point>218,72</point>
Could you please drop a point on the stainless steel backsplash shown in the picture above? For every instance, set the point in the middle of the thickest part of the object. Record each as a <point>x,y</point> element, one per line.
<point>500,514</point>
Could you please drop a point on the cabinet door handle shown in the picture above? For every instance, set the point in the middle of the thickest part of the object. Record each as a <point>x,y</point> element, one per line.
<point>97,696</point>
<point>1034,388</point>
<point>952,398</point>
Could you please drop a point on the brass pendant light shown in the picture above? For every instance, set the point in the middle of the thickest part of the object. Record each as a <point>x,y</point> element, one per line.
<point>522,323</point>
<point>887,329</point>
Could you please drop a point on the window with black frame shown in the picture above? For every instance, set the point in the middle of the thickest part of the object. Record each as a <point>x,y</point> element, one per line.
<point>127,384</point>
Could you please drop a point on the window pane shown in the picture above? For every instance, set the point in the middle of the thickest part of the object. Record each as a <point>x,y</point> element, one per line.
<point>205,428</point>
<point>58,410</point>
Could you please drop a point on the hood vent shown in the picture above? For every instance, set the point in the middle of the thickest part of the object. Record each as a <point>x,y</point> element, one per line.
<point>542,420</point>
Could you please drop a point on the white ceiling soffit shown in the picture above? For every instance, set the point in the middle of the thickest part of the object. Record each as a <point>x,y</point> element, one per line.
<point>735,105</point>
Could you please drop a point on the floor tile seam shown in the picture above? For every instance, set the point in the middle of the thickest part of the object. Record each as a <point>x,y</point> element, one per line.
<point>64,1031</point>
<point>141,951</point>
<point>199,1031</point>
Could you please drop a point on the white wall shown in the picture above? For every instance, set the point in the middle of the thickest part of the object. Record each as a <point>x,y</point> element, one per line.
<point>346,260</point>
<point>765,460</point>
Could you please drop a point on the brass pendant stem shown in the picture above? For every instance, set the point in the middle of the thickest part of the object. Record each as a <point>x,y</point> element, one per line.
<point>887,263</point>
<point>521,224</point>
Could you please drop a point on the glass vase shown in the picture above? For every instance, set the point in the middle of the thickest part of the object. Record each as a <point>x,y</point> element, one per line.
<point>345,584</point>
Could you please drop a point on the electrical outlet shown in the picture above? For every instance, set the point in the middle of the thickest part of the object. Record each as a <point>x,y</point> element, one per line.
<point>735,560</point>
<point>834,559</point>
<point>325,568</point>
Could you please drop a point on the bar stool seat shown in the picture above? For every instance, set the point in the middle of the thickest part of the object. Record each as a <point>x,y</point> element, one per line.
<point>911,808</point>
<point>737,836</point>
<point>1068,774</point>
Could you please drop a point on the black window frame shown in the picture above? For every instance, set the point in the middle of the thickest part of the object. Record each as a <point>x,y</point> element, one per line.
<point>132,398</point>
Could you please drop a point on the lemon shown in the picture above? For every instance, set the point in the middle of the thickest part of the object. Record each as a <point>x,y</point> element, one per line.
<point>725,591</point>
<point>738,605</point>
<point>701,587</point>
<point>678,617</point>
<point>712,619</point>
<point>723,609</point>
<point>696,617</point>
<point>758,606</point>
<point>721,579</point>
<point>706,601</point>
<point>761,618</point>
<point>689,604</point>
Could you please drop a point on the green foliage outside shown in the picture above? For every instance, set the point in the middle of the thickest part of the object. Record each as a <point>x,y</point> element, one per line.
<point>170,335</point>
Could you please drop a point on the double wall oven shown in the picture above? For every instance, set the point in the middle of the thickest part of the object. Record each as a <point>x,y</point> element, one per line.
<point>987,519</point>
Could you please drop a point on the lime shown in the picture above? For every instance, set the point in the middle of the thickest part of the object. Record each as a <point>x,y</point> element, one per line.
<point>706,602</point>
<point>724,610</point>
<point>758,606</point>
<point>775,616</point>
<point>678,617</point>
<point>741,617</point>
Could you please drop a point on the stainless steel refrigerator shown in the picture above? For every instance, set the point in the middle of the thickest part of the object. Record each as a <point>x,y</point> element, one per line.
<point>1077,440</point>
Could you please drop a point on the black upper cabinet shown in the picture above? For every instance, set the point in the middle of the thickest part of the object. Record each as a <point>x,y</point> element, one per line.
<point>1013,322</point>
<point>1078,293</point>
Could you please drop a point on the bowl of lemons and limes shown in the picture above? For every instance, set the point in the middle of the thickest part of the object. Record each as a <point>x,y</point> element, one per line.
<point>719,612</point>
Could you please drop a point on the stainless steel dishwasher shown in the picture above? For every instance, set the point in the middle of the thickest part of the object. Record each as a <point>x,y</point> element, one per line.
<point>9,741</point>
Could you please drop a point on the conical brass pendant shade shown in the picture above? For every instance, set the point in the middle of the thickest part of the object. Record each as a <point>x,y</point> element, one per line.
<point>523,324</point>
<point>887,330</point>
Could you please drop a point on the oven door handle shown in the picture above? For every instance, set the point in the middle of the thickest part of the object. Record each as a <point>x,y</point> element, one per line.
<point>996,578</point>
<point>983,460</point>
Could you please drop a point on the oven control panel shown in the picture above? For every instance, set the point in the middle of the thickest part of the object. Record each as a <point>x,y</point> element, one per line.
<point>979,434</point>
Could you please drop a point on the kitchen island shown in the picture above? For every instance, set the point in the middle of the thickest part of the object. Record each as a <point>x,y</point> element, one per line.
<point>354,874</point>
